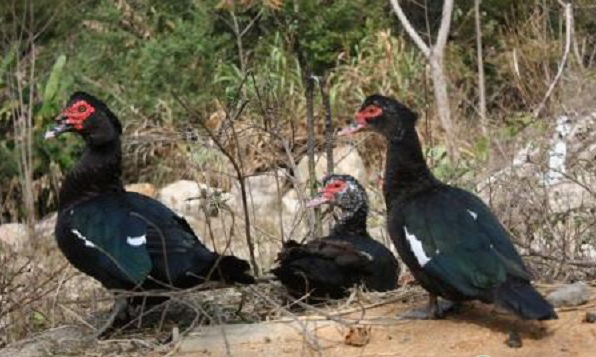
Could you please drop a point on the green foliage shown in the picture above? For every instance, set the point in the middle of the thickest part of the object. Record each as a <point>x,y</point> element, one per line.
<point>275,71</point>
<point>5,64</point>
<point>50,93</point>
<point>382,63</point>
<point>330,30</point>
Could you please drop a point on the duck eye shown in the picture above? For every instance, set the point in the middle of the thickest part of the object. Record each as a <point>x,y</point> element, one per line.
<point>82,108</point>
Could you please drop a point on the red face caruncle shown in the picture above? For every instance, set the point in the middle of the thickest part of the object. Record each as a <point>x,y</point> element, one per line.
<point>332,188</point>
<point>363,117</point>
<point>77,113</point>
<point>327,193</point>
<point>370,112</point>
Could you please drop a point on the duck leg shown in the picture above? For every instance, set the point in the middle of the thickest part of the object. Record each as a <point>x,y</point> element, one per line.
<point>118,310</point>
<point>436,309</point>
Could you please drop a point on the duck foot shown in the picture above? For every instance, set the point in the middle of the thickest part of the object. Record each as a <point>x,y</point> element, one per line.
<point>436,309</point>
<point>514,340</point>
<point>118,313</point>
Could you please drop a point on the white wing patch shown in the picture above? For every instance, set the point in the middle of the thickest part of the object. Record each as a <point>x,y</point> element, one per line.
<point>417,248</point>
<point>88,243</point>
<point>473,214</point>
<point>136,241</point>
<point>368,256</point>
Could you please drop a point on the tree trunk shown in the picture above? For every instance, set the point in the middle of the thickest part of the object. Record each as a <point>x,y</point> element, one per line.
<point>442,104</point>
<point>310,146</point>
<point>481,81</point>
<point>434,55</point>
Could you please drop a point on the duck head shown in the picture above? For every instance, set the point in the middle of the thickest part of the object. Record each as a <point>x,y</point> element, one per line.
<point>383,115</point>
<point>89,117</point>
<point>343,191</point>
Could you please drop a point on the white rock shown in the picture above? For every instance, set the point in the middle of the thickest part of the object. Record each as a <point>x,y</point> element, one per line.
<point>45,227</point>
<point>262,190</point>
<point>146,189</point>
<point>291,206</point>
<point>557,154</point>
<point>14,235</point>
<point>548,166</point>
<point>568,195</point>
<point>588,251</point>
<point>177,194</point>
<point>185,196</point>
<point>346,160</point>
<point>570,295</point>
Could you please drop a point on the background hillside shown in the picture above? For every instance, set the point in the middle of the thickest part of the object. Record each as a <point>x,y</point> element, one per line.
<point>136,54</point>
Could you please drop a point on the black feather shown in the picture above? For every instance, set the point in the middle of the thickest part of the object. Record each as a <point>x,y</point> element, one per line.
<point>520,297</point>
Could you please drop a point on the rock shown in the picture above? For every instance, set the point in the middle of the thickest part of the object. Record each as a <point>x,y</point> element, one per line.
<point>262,191</point>
<point>187,197</point>
<point>291,203</point>
<point>45,227</point>
<point>291,206</point>
<point>550,164</point>
<point>588,251</point>
<point>177,194</point>
<point>557,154</point>
<point>14,235</point>
<point>570,295</point>
<point>590,318</point>
<point>347,161</point>
<point>567,195</point>
<point>146,189</point>
<point>64,338</point>
<point>582,138</point>
<point>548,185</point>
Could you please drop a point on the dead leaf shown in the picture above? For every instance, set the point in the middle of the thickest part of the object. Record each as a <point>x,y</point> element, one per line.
<point>357,336</point>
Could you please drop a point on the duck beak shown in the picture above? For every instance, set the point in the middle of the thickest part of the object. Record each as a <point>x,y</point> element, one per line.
<point>317,201</point>
<point>60,127</point>
<point>352,129</point>
<point>360,125</point>
<point>323,197</point>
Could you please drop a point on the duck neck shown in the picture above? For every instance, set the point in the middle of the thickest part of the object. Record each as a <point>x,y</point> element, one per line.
<point>406,171</point>
<point>97,172</point>
<point>352,221</point>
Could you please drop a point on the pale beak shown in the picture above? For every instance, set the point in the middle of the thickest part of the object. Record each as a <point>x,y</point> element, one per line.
<point>317,201</point>
<point>60,127</point>
<point>352,129</point>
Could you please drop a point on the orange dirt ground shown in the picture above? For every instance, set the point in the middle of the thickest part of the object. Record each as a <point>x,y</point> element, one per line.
<point>477,330</point>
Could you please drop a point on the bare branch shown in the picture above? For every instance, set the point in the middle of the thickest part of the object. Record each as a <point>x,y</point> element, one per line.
<point>310,124</point>
<point>251,23</point>
<point>568,39</point>
<point>439,47</point>
<point>410,29</point>
<point>237,164</point>
<point>434,55</point>
<point>480,60</point>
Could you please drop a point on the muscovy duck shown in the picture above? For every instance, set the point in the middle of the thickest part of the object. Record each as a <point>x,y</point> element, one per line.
<point>326,267</point>
<point>125,240</point>
<point>449,239</point>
